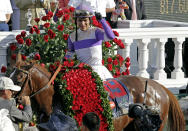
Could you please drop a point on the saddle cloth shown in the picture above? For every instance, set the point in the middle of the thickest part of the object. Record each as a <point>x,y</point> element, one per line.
<point>119,96</point>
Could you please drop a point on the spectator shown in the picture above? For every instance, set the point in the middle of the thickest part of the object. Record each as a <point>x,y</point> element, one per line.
<point>37,9</point>
<point>90,122</point>
<point>5,14</point>
<point>15,18</point>
<point>63,3</point>
<point>101,6</point>
<point>136,10</point>
<point>7,102</point>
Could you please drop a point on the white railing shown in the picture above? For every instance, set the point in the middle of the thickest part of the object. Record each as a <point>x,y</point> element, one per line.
<point>150,37</point>
<point>5,39</point>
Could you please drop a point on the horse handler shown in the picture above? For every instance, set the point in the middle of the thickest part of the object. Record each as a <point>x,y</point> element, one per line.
<point>8,103</point>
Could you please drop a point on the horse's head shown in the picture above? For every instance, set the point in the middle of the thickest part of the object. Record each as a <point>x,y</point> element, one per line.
<point>32,78</point>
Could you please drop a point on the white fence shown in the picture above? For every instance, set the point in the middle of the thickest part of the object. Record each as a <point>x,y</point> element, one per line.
<point>150,37</point>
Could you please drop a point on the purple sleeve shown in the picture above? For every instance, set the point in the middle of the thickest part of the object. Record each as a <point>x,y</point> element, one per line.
<point>70,52</point>
<point>70,45</point>
<point>108,31</point>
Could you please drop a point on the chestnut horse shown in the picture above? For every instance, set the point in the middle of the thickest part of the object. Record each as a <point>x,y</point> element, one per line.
<point>33,77</point>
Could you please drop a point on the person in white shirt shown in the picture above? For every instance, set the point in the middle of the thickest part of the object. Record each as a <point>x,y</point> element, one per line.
<point>5,14</point>
<point>101,6</point>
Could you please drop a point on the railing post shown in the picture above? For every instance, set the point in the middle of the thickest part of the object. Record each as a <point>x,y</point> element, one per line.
<point>143,57</point>
<point>126,51</point>
<point>160,74</point>
<point>177,72</point>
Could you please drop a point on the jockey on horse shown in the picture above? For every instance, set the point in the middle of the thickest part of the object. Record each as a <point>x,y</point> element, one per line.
<point>86,41</point>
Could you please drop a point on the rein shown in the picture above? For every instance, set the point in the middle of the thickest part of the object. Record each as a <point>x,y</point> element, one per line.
<point>29,76</point>
<point>49,83</point>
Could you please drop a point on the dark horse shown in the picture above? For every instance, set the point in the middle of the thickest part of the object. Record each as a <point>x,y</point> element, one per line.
<point>33,77</point>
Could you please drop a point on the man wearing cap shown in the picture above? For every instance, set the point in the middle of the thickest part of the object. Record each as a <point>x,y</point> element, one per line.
<point>7,102</point>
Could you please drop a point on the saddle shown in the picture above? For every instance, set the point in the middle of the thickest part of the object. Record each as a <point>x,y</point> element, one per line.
<point>119,97</point>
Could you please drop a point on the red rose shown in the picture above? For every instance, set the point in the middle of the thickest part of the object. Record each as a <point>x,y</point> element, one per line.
<point>37,57</point>
<point>51,34</point>
<point>50,14</point>
<point>37,31</point>
<point>3,69</point>
<point>31,124</point>
<point>102,62</point>
<point>59,13</point>
<point>31,30</point>
<point>23,34</point>
<point>20,41</point>
<point>45,18</point>
<point>66,17</point>
<point>60,27</point>
<point>13,47</point>
<point>18,37</point>
<point>21,107</point>
<point>13,56</point>
<point>127,64</point>
<point>28,42</point>
<point>45,38</point>
<point>115,40</point>
<point>65,36</point>
<point>37,20</point>
<point>81,65</point>
<point>120,58</point>
<point>42,64</point>
<point>52,67</point>
<point>122,46</point>
<point>116,33</point>
<point>35,27</point>
<point>71,9</point>
<point>115,62</point>
<point>109,66</point>
<point>128,59</point>
<point>71,64</point>
<point>107,44</point>
<point>124,73</point>
<point>46,25</point>
<point>109,60</point>
<point>127,71</point>
<point>66,10</point>
<point>24,57</point>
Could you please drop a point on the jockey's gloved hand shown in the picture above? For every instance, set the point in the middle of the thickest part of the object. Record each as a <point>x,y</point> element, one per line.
<point>98,15</point>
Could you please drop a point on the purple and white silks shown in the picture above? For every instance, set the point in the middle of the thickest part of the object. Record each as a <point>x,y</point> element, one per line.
<point>88,48</point>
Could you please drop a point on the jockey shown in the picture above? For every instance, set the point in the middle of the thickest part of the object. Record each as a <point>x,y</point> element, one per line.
<point>86,41</point>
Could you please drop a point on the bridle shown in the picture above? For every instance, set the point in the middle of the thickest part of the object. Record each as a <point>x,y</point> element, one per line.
<point>28,78</point>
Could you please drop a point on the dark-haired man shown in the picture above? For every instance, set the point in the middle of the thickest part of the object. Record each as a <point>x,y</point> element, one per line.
<point>91,122</point>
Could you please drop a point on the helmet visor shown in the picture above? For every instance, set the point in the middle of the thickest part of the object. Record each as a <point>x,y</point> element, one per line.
<point>82,13</point>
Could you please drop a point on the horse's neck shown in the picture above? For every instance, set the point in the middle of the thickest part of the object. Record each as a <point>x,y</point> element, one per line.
<point>39,78</point>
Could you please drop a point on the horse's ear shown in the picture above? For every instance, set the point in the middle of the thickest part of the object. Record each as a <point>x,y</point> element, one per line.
<point>18,60</point>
